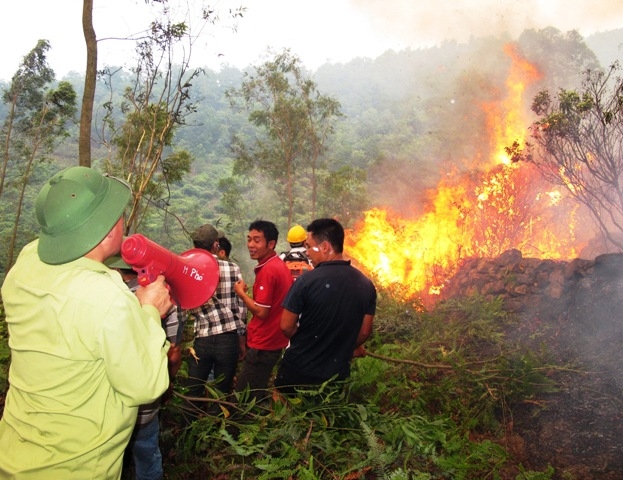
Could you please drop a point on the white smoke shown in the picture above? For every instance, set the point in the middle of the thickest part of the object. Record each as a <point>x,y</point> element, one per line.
<point>430,23</point>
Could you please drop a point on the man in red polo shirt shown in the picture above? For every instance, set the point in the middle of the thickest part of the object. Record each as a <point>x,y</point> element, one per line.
<point>265,340</point>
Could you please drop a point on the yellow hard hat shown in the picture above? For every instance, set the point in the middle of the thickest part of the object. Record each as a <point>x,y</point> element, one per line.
<point>296,234</point>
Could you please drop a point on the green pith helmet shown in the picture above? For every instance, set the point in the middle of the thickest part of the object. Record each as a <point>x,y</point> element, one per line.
<point>76,209</point>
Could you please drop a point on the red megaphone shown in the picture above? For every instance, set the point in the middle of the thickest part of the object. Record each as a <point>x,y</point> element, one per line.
<point>191,276</point>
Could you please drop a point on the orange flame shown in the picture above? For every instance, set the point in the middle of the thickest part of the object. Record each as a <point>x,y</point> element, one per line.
<point>476,214</point>
<point>505,121</point>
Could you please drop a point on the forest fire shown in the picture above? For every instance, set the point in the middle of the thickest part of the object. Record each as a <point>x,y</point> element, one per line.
<point>480,213</point>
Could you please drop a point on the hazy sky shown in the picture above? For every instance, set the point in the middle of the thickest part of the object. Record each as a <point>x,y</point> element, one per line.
<point>316,31</point>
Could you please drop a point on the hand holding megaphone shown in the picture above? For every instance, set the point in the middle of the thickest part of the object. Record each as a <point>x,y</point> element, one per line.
<point>192,276</point>
<point>155,294</point>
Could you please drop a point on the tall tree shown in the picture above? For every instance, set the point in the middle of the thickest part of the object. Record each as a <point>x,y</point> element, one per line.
<point>293,120</point>
<point>39,128</point>
<point>277,107</point>
<point>578,144</point>
<point>24,97</point>
<point>155,105</point>
<point>90,77</point>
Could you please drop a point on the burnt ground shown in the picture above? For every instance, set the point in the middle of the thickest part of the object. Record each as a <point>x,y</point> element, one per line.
<point>578,429</point>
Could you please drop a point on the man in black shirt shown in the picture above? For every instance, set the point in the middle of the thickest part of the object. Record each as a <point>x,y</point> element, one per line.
<point>328,312</point>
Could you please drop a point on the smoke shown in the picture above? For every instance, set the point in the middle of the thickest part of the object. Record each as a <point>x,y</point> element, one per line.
<point>429,23</point>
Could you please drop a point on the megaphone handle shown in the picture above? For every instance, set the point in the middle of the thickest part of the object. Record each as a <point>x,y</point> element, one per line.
<point>175,300</point>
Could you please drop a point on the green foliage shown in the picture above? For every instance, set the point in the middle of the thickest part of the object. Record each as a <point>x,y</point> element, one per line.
<point>530,475</point>
<point>560,56</point>
<point>470,369</point>
<point>397,126</point>
<point>293,121</point>
<point>39,112</point>
<point>27,85</point>
<point>143,146</point>
<point>577,144</point>
<point>343,193</point>
<point>439,416</point>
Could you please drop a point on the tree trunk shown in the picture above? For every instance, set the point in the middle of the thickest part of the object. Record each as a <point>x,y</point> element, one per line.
<point>20,203</point>
<point>7,141</point>
<point>86,115</point>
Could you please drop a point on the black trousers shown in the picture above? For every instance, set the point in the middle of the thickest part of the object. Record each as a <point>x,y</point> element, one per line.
<point>256,371</point>
<point>288,379</point>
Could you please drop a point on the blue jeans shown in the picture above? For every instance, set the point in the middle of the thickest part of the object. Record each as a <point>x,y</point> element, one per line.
<point>146,452</point>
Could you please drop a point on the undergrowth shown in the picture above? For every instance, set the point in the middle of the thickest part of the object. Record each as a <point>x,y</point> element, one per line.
<point>432,400</point>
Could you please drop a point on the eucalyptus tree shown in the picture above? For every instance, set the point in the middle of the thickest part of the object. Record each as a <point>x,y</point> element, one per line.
<point>39,113</point>
<point>24,97</point>
<point>293,121</point>
<point>90,82</point>
<point>138,132</point>
<point>157,102</point>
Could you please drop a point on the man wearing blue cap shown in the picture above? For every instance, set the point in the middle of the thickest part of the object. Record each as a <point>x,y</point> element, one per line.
<point>85,351</point>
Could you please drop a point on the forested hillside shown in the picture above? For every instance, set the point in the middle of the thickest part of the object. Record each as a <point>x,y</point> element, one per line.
<point>409,117</point>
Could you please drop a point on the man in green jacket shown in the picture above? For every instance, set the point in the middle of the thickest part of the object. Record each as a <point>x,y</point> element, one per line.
<point>85,351</point>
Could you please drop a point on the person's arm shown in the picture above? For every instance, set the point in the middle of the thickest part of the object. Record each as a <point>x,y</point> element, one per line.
<point>240,312</point>
<point>259,311</point>
<point>242,344</point>
<point>174,356</point>
<point>289,323</point>
<point>365,331</point>
<point>134,348</point>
